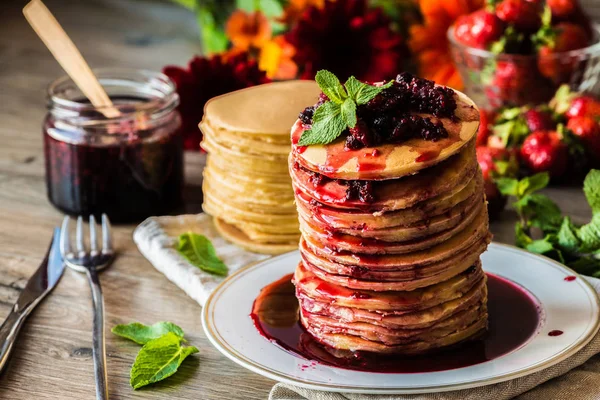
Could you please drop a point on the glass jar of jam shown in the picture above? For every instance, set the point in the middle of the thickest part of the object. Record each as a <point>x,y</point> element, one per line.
<point>128,164</point>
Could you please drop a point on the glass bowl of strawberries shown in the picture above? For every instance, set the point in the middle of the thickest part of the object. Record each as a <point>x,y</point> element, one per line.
<point>518,52</point>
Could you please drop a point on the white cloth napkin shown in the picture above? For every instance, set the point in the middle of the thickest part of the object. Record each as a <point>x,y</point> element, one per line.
<point>156,238</point>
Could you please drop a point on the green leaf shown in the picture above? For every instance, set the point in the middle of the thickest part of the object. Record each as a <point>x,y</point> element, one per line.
<point>540,246</point>
<point>328,125</point>
<point>541,211</point>
<point>591,188</point>
<point>361,92</point>
<point>158,359</point>
<point>512,132</point>
<point>589,235</point>
<point>331,86</point>
<point>533,183</point>
<point>522,239</point>
<point>271,8</point>
<point>213,37</point>
<point>567,236</point>
<point>201,253</point>
<point>508,186</point>
<point>349,112</point>
<point>142,334</point>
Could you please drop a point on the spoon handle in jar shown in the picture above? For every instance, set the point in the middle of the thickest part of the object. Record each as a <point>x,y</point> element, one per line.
<point>68,56</point>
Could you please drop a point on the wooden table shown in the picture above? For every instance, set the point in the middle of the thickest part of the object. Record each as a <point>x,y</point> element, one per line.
<point>53,358</point>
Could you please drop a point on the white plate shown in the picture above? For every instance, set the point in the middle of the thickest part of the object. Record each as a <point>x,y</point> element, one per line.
<point>571,306</point>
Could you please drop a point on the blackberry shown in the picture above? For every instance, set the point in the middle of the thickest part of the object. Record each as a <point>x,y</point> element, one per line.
<point>360,136</point>
<point>360,190</point>
<point>306,115</point>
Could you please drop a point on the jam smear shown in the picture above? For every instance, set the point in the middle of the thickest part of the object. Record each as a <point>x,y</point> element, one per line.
<point>513,319</point>
<point>555,332</point>
<point>570,278</point>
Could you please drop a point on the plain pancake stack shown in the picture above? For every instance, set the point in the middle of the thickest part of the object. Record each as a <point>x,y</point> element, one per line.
<point>246,184</point>
<point>398,272</point>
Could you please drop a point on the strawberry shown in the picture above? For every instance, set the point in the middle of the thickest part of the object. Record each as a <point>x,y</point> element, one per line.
<point>538,120</point>
<point>487,157</point>
<point>562,8</point>
<point>588,130</point>
<point>478,29</point>
<point>557,67</point>
<point>516,82</point>
<point>545,151</point>
<point>584,106</point>
<point>524,15</point>
<point>486,120</point>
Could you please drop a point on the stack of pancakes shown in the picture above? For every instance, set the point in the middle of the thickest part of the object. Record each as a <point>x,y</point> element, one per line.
<point>246,183</point>
<point>399,273</point>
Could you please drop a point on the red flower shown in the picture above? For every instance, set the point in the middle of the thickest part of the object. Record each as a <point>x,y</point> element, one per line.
<point>347,38</point>
<point>205,78</point>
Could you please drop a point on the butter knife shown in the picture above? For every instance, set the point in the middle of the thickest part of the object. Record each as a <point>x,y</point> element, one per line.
<point>39,285</point>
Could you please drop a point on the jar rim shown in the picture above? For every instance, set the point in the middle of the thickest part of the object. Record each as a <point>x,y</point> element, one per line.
<point>156,91</point>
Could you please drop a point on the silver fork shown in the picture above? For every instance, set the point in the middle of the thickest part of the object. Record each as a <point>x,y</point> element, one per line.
<point>91,262</point>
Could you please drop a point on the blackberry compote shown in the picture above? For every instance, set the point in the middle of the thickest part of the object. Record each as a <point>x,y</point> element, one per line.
<point>130,166</point>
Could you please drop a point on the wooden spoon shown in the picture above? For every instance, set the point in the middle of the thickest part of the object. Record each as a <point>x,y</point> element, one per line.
<point>68,56</point>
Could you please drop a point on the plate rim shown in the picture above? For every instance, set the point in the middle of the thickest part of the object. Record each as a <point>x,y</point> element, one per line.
<point>249,364</point>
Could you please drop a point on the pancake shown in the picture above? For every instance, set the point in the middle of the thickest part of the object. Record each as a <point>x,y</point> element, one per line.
<point>267,178</point>
<point>475,222</point>
<point>353,219</point>
<point>311,286</point>
<point>466,238</point>
<point>254,200</point>
<point>394,194</point>
<point>426,227</point>
<point>248,143</point>
<point>236,236</point>
<point>268,109</point>
<point>396,160</point>
<point>399,320</point>
<point>395,336</point>
<point>390,274</point>
<point>355,343</point>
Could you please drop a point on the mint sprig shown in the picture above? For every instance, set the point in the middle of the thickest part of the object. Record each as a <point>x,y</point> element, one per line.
<point>577,246</point>
<point>142,334</point>
<point>339,113</point>
<point>161,354</point>
<point>201,253</point>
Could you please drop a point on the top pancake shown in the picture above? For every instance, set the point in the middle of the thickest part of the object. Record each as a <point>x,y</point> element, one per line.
<point>268,109</point>
<point>390,161</point>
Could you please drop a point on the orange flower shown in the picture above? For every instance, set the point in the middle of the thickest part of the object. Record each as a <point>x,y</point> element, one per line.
<point>295,8</point>
<point>247,30</point>
<point>428,40</point>
<point>276,59</point>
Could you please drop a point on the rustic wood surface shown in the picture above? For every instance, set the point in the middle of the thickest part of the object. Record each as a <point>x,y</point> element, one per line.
<point>52,359</point>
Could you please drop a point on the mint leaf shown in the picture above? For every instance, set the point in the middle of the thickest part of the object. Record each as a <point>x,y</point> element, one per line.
<point>540,246</point>
<point>541,211</point>
<point>362,93</point>
<point>522,239</point>
<point>589,235</point>
<point>567,236</point>
<point>142,334</point>
<point>508,186</point>
<point>331,86</point>
<point>328,125</point>
<point>201,253</point>
<point>159,359</point>
<point>349,112</point>
<point>591,188</point>
<point>533,183</point>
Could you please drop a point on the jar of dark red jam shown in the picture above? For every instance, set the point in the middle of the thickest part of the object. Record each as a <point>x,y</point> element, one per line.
<point>129,166</point>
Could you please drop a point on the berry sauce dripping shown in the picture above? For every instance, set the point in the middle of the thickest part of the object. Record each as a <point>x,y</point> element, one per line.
<point>555,332</point>
<point>513,319</point>
<point>127,178</point>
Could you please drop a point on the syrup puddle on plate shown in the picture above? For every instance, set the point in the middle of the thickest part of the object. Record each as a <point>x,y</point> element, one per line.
<point>514,318</point>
